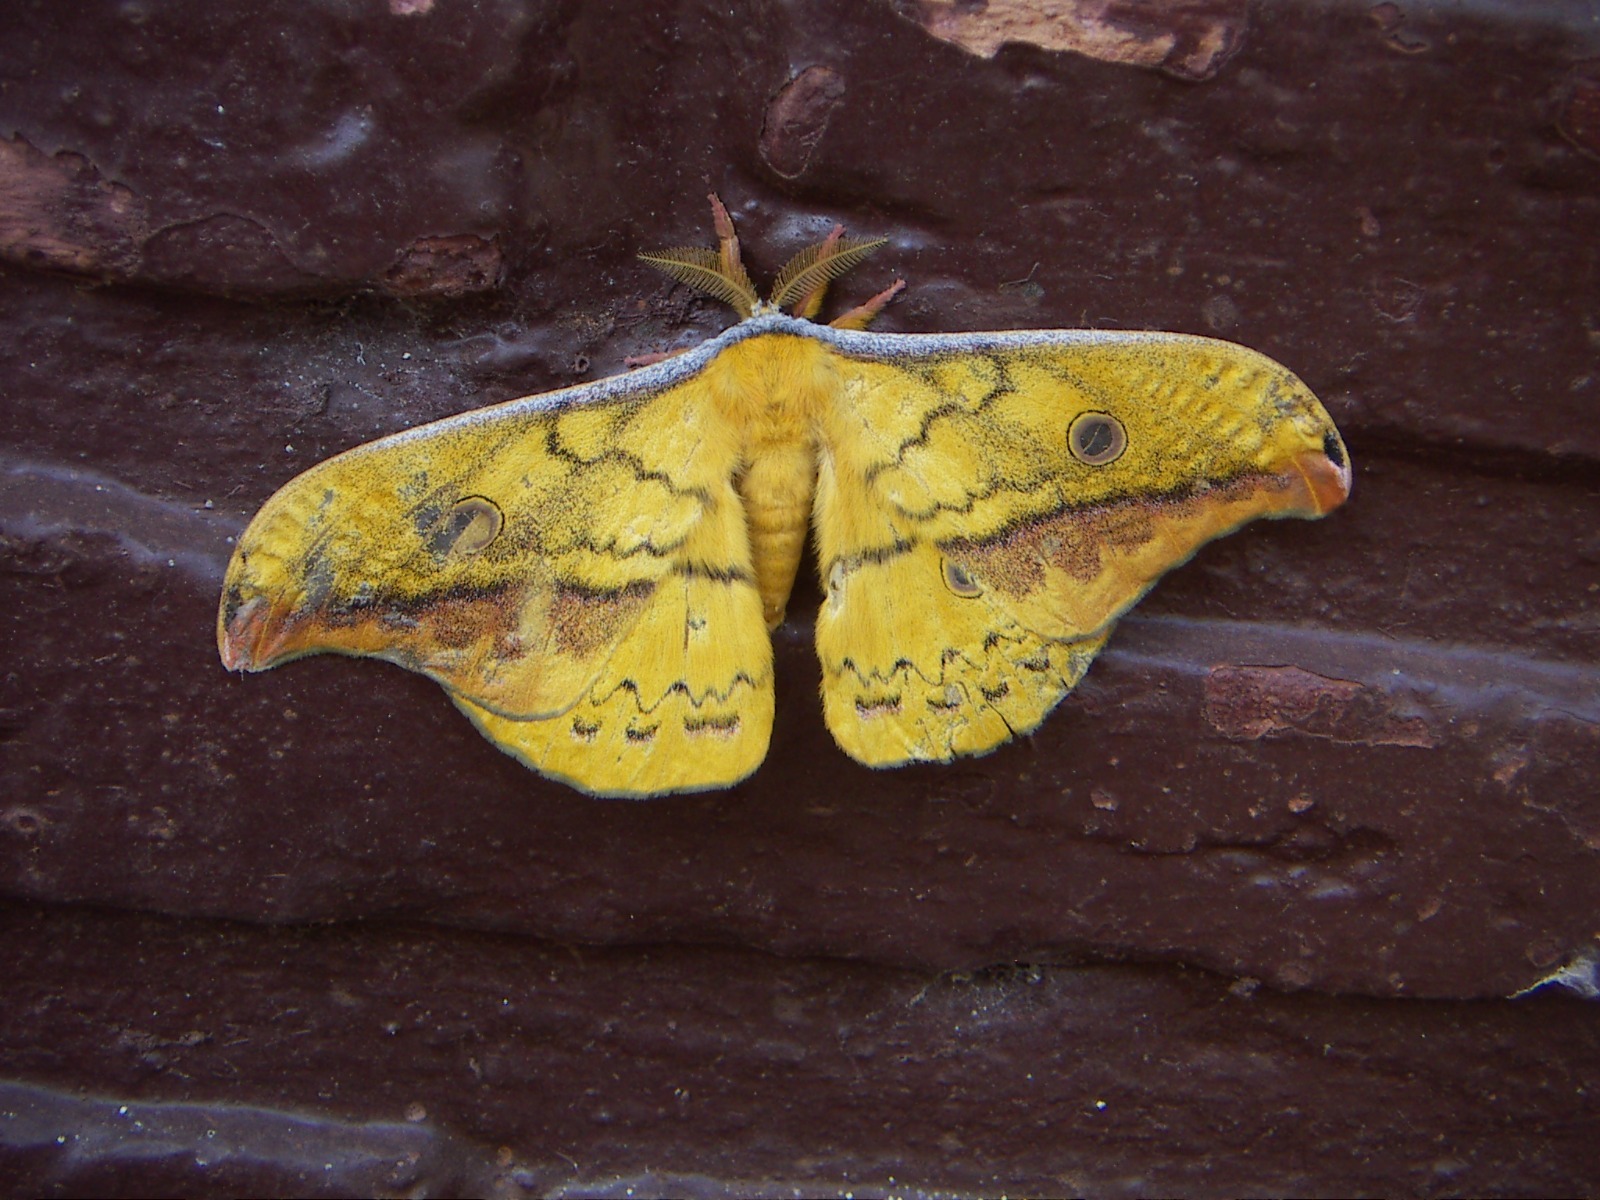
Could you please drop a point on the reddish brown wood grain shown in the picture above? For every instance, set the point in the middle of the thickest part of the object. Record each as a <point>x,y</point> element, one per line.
<point>1246,915</point>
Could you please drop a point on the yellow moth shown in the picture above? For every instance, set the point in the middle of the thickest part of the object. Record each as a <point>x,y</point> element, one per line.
<point>592,573</point>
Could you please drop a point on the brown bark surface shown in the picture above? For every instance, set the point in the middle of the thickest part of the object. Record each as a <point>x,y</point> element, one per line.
<point>1253,912</point>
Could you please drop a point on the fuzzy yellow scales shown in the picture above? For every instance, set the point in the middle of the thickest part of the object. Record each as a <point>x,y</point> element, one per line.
<point>592,573</point>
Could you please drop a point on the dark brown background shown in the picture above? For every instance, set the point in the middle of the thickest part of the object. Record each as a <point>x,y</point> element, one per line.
<point>1251,913</point>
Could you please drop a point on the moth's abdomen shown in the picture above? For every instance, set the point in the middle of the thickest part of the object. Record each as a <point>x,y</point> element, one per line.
<point>776,488</point>
<point>771,388</point>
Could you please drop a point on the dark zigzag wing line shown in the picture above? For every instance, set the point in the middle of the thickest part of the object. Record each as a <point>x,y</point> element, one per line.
<point>442,496</point>
<point>925,368</point>
<point>627,459</point>
<point>927,374</point>
<point>627,684</point>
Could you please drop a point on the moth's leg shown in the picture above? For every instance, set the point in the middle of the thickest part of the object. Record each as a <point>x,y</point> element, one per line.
<point>728,245</point>
<point>651,358</point>
<point>862,315</point>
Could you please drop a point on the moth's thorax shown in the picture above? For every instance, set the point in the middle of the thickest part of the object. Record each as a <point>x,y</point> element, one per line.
<point>773,385</point>
<point>772,389</point>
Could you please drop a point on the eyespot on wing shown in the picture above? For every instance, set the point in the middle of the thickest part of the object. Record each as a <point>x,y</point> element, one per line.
<point>471,525</point>
<point>1096,438</point>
